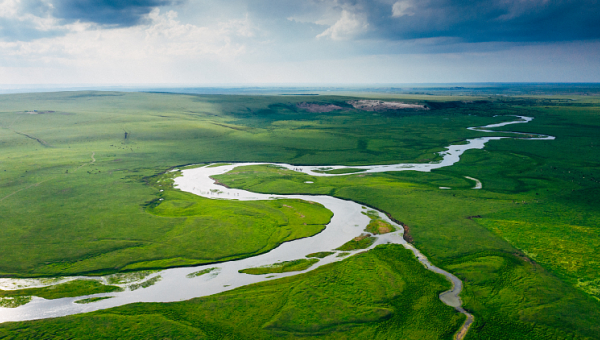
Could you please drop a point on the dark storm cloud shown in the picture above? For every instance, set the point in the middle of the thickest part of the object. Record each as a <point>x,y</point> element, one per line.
<point>453,21</point>
<point>113,13</point>
<point>484,20</point>
<point>23,25</point>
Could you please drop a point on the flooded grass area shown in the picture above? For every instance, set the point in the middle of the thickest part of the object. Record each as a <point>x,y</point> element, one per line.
<point>92,300</point>
<point>202,272</point>
<point>282,267</point>
<point>151,281</point>
<point>67,289</point>
<point>321,254</point>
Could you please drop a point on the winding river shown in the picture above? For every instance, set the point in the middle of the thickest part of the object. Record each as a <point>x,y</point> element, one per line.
<point>179,284</point>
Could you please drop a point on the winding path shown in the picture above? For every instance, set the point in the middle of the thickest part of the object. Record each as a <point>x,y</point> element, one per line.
<point>348,221</point>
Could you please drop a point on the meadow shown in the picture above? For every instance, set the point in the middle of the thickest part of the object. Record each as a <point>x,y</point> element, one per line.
<point>80,192</point>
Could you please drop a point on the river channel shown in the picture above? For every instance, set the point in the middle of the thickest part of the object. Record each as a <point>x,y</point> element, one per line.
<point>178,284</point>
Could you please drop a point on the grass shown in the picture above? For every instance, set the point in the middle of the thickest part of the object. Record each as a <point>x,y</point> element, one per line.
<point>281,267</point>
<point>569,249</point>
<point>361,242</point>
<point>92,299</point>
<point>538,201</point>
<point>145,284</point>
<point>196,226</point>
<point>514,298</point>
<point>75,203</point>
<point>14,301</point>
<point>200,272</point>
<point>321,254</point>
<point>377,225</point>
<point>124,278</point>
<point>339,171</point>
<point>217,165</point>
<point>336,301</point>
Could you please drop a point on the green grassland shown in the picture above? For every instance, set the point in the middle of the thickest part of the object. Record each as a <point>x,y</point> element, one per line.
<point>73,182</point>
<point>382,294</point>
<point>78,195</point>
<point>539,203</point>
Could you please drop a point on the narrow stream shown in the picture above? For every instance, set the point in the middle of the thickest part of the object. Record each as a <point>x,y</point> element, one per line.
<point>178,284</point>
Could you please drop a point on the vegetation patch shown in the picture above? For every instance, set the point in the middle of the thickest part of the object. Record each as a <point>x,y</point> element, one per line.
<point>215,165</point>
<point>201,272</point>
<point>360,242</point>
<point>14,301</point>
<point>93,299</point>
<point>570,251</point>
<point>339,171</point>
<point>124,278</point>
<point>281,267</point>
<point>377,226</point>
<point>321,254</point>
<point>145,284</point>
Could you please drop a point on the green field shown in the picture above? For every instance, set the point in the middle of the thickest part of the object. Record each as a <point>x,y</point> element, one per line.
<point>80,192</point>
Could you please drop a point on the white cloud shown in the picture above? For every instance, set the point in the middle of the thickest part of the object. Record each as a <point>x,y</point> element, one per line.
<point>402,8</point>
<point>15,14</point>
<point>165,36</point>
<point>348,26</point>
<point>156,52</point>
<point>8,8</point>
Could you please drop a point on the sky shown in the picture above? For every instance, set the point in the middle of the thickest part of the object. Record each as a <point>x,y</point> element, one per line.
<point>206,42</point>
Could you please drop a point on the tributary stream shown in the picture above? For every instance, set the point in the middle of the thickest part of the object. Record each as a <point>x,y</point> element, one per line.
<point>179,284</point>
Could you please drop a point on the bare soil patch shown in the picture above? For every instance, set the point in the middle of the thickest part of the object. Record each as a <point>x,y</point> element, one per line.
<point>378,105</point>
<point>318,108</point>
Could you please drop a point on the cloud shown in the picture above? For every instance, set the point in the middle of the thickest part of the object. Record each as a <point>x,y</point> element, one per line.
<point>486,20</point>
<point>402,8</point>
<point>467,21</point>
<point>162,38</point>
<point>16,29</point>
<point>290,20</point>
<point>26,20</point>
<point>113,13</point>
<point>348,26</point>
